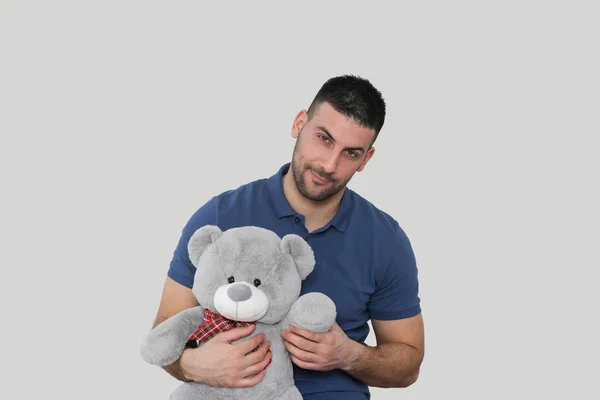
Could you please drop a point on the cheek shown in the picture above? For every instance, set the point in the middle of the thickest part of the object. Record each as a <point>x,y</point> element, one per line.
<point>312,148</point>
<point>317,155</point>
<point>347,169</point>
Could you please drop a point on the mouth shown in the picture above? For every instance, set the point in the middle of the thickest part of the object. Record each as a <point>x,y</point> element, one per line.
<point>318,179</point>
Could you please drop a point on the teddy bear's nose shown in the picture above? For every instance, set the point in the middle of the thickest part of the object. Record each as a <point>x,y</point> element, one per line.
<point>239,292</point>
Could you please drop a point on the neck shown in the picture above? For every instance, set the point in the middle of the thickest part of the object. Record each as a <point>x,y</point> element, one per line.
<point>316,213</point>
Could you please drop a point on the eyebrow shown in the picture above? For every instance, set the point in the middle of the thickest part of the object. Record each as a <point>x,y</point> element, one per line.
<point>333,140</point>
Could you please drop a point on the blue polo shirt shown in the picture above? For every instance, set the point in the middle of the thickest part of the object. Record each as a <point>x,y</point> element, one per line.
<point>364,263</point>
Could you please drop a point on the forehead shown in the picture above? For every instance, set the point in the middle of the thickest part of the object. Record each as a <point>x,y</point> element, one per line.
<point>344,130</point>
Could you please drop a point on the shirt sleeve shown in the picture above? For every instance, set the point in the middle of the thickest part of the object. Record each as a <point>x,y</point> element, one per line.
<point>181,268</point>
<point>397,293</point>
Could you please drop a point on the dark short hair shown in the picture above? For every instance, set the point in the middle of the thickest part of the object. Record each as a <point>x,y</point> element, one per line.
<point>354,97</point>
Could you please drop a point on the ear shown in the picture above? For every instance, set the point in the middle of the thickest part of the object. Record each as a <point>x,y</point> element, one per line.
<point>301,253</point>
<point>200,240</point>
<point>368,156</point>
<point>299,122</point>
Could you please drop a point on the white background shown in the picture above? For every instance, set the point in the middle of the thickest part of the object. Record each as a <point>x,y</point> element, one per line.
<point>118,119</point>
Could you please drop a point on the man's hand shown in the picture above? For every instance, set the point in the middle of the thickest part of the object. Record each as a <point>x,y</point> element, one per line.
<point>218,363</point>
<point>319,351</point>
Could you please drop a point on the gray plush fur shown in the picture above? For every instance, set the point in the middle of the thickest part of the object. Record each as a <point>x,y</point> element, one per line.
<point>246,253</point>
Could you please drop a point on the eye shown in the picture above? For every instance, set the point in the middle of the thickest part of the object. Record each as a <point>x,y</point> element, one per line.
<point>231,279</point>
<point>257,282</point>
<point>324,138</point>
<point>352,154</point>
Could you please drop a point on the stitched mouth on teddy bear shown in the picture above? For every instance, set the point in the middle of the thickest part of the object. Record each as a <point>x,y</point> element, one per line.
<point>241,301</point>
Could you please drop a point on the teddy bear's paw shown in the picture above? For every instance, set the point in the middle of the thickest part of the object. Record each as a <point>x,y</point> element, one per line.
<point>314,312</point>
<point>159,350</point>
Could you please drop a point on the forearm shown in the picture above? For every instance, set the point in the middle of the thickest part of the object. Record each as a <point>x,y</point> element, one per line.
<point>385,365</point>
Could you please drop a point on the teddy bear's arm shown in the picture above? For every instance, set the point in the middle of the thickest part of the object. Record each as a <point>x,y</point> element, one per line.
<point>165,343</point>
<point>314,312</point>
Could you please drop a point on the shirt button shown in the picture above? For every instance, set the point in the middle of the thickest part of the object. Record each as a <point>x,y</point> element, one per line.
<point>297,219</point>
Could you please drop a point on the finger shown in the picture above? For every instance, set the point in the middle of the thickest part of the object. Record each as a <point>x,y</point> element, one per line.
<point>257,356</point>
<point>234,334</point>
<point>301,354</point>
<point>246,346</point>
<point>257,367</point>
<point>304,364</point>
<point>309,335</point>
<point>251,380</point>
<point>301,342</point>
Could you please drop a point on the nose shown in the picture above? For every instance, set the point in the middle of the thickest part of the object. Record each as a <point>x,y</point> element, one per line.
<point>239,292</point>
<point>330,164</point>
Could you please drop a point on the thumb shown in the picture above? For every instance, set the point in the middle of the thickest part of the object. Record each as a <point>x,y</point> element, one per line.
<point>234,334</point>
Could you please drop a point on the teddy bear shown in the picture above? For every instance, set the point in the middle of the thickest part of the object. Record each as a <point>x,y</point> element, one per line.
<point>244,275</point>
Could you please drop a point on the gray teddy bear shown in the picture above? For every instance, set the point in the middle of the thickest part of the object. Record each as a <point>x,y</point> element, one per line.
<point>245,275</point>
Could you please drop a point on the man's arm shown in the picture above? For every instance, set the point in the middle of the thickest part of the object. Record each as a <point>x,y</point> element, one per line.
<point>217,363</point>
<point>175,298</point>
<point>396,359</point>
<point>394,362</point>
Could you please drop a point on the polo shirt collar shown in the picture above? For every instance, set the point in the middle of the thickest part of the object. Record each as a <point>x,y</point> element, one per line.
<point>282,207</point>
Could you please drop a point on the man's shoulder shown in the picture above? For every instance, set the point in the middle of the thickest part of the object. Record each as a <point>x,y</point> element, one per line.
<point>227,201</point>
<point>242,192</point>
<point>380,221</point>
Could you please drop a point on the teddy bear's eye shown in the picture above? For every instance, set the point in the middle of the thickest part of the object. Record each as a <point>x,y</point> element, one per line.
<point>257,282</point>
<point>231,279</point>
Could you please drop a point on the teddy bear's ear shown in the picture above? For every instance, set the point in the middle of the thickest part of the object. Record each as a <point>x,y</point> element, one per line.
<point>200,240</point>
<point>301,252</point>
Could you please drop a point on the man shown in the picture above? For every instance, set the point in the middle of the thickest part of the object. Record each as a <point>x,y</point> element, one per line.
<point>365,262</point>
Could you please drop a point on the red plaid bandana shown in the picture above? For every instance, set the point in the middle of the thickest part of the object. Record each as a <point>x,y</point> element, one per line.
<point>215,323</point>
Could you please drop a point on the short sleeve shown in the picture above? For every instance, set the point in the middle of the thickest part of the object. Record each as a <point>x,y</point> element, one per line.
<point>181,268</point>
<point>397,292</point>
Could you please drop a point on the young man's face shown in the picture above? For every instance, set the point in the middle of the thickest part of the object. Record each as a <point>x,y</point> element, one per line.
<point>329,150</point>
